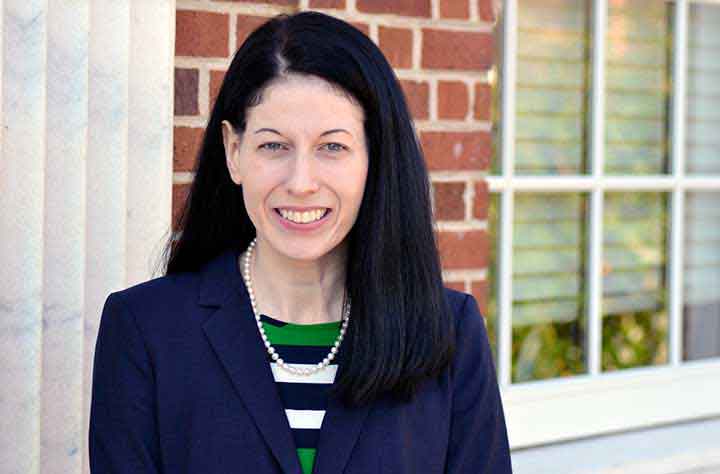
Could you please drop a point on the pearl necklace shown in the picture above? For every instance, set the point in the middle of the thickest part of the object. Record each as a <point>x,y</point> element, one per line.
<point>270,349</point>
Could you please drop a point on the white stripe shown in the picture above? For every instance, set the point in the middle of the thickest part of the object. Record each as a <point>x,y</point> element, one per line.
<point>305,419</point>
<point>327,375</point>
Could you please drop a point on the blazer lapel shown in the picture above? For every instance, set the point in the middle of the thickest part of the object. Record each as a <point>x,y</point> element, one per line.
<point>234,336</point>
<point>341,427</point>
<point>233,333</point>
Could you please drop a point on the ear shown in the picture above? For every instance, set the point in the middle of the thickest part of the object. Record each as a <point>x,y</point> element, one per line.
<point>232,141</point>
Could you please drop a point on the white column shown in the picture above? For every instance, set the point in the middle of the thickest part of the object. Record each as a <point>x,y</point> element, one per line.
<point>85,202</point>
<point>64,159</point>
<point>22,219</point>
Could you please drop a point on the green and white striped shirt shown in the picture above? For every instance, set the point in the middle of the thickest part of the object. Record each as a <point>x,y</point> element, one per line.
<point>303,397</point>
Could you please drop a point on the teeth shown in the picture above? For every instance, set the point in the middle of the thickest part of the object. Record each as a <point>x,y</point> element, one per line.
<point>302,217</point>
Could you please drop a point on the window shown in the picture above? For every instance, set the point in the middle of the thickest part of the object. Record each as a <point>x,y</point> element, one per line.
<point>605,212</point>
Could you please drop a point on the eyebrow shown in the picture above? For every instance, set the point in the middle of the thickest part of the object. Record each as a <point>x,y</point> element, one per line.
<point>327,132</point>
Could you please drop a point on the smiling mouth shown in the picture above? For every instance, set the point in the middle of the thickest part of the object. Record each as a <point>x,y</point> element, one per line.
<point>307,217</point>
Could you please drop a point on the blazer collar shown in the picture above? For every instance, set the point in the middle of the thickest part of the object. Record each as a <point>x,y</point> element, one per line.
<point>235,338</point>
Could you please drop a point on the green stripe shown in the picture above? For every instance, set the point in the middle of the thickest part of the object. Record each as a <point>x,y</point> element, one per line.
<point>320,334</point>
<point>307,458</point>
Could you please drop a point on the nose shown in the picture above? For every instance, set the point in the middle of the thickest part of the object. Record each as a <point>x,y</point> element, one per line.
<point>302,180</point>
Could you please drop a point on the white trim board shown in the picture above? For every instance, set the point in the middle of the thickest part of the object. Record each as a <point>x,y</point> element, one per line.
<point>552,411</point>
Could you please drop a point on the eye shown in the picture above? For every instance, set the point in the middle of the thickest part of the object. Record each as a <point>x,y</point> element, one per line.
<point>272,146</point>
<point>335,147</point>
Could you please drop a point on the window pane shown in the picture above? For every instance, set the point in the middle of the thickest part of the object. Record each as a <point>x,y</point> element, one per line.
<point>552,83</point>
<point>635,320</point>
<point>703,89</point>
<point>637,69</point>
<point>702,276</point>
<point>548,311</point>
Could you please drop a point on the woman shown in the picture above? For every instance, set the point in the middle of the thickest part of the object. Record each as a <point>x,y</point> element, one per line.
<point>302,324</point>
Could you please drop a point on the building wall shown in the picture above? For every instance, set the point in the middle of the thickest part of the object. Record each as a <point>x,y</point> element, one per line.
<point>449,96</point>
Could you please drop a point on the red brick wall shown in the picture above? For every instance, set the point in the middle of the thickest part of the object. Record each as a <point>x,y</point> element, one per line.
<point>442,50</point>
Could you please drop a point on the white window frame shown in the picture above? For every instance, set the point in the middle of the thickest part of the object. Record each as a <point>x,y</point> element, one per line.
<point>545,411</point>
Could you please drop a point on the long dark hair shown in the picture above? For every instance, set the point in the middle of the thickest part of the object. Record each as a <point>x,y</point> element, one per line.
<point>401,331</point>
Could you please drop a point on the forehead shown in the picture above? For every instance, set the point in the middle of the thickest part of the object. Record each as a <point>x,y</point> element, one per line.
<point>307,102</point>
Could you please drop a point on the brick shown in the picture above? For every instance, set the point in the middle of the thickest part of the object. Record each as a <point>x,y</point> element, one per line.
<point>483,102</point>
<point>479,289</point>
<point>362,27</point>
<point>481,201</point>
<point>216,79</point>
<point>417,94</point>
<point>449,201</point>
<point>456,150</point>
<point>246,24</point>
<point>396,45</point>
<point>455,285</point>
<point>456,50</point>
<point>458,9</point>
<point>460,250</point>
<point>327,4</point>
<point>397,7</point>
<point>179,195</point>
<point>203,34</point>
<point>282,3</point>
<point>186,92</point>
<point>486,10</point>
<point>186,144</point>
<point>452,100</point>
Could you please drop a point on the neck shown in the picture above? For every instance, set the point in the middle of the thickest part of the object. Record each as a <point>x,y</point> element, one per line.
<point>298,291</point>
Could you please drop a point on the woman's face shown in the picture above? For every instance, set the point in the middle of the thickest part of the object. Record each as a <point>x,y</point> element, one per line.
<point>301,157</point>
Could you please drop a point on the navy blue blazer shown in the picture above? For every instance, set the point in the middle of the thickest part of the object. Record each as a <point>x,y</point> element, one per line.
<point>181,385</point>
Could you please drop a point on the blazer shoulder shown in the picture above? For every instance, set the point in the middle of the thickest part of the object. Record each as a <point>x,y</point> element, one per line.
<point>159,293</point>
<point>460,302</point>
<point>470,331</point>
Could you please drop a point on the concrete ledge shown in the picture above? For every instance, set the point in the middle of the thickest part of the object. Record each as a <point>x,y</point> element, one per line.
<point>681,448</point>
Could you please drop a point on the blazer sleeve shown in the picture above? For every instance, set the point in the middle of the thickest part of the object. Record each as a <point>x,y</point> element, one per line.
<point>478,435</point>
<point>122,436</point>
